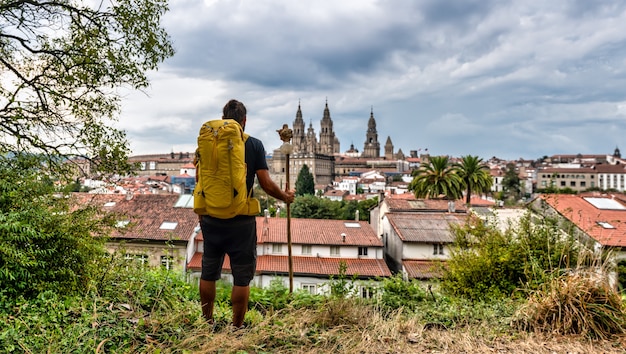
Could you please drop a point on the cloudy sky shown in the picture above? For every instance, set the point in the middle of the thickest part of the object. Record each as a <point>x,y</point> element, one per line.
<point>512,79</point>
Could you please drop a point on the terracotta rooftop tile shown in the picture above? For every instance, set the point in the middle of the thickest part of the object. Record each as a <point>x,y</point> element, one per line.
<point>317,232</point>
<point>607,226</point>
<point>311,266</point>
<point>323,266</point>
<point>147,214</point>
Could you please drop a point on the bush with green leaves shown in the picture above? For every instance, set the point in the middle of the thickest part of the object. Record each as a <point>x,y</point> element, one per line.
<point>486,262</point>
<point>395,293</point>
<point>44,243</point>
<point>309,206</point>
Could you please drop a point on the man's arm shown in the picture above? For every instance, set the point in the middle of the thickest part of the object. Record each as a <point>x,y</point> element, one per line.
<point>272,188</point>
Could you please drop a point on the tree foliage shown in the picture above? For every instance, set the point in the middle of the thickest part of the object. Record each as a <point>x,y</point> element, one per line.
<point>475,175</point>
<point>305,183</point>
<point>312,207</point>
<point>511,182</point>
<point>44,244</point>
<point>61,62</point>
<point>437,178</point>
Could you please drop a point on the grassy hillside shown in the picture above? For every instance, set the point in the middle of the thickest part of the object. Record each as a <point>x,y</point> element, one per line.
<point>151,311</point>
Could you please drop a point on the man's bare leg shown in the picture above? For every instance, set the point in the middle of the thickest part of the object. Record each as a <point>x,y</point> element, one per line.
<point>207,298</point>
<point>239,298</point>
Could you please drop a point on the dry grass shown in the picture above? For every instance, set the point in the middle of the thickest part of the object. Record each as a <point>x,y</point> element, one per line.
<point>583,303</point>
<point>345,327</point>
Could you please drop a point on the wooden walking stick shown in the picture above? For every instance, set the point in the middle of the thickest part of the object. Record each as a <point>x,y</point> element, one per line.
<point>285,135</point>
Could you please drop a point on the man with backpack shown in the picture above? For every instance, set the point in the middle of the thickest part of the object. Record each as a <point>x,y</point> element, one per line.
<point>226,208</point>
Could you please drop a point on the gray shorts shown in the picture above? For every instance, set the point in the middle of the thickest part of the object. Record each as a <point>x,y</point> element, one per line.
<point>235,237</point>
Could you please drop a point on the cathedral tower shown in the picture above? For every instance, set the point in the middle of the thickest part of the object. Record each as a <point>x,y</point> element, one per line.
<point>372,146</point>
<point>327,135</point>
<point>389,149</point>
<point>299,137</point>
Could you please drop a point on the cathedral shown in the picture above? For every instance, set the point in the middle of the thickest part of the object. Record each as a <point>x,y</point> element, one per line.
<point>307,143</point>
<point>323,156</point>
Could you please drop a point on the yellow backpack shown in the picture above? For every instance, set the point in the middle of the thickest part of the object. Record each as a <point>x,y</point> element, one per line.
<point>221,169</point>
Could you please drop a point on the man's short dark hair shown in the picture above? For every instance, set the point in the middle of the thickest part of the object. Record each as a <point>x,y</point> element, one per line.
<point>235,110</point>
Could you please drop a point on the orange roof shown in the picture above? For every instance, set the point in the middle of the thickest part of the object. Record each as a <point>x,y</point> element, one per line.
<point>317,232</point>
<point>146,213</point>
<point>312,266</point>
<point>607,226</point>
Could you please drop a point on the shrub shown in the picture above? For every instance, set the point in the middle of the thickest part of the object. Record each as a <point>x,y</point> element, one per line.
<point>44,243</point>
<point>488,263</point>
<point>581,303</point>
<point>397,293</point>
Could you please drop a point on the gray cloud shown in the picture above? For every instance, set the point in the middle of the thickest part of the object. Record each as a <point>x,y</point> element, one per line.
<point>491,78</point>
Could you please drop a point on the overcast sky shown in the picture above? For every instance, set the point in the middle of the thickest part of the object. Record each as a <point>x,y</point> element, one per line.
<point>511,79</point>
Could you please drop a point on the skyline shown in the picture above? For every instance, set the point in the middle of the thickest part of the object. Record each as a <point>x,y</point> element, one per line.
<point>514,79</point>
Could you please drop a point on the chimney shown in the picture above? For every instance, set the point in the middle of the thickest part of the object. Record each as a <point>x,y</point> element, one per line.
<point>356,215</point>
<point>343,237</point>
<point>451,207</point>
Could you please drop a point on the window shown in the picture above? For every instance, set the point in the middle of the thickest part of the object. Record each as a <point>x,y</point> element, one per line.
<point>362,251</point>
<point>277,248</point>
<point>306,249</point>
<point>572,183</point>
<point>562,183</point>
<point>334,250</point>
<point>168,225</point>
<point>367,292</point>
<point>152,165</point>
<point>141,259</point>
<point>310,288</point>
<point>167,262</point>
<point>437,248</point>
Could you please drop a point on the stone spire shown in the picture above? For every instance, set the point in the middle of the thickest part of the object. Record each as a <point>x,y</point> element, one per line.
<point>389,149</point>
<point>371,147</point>
<point>299,137</point>
<point>327,135</point>
<point>311,140</point>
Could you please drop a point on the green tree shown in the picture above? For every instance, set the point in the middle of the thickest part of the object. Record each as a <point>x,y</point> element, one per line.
<point>437,178</point>
<point>511,182</point>
<point>44,244</point>
<point>475,175</point>
<point>305,183</point>
<point>312,207</point>
<point>61,62</point>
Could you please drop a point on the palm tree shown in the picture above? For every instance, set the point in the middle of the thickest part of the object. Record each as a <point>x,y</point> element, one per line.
<point>475,175</point>
<point>437,178</point>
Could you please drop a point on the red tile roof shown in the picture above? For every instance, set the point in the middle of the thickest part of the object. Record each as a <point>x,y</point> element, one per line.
<point>590,219</point>
<point>146,213</point>
<point>424,227</point>
<point>311,266</point>
<point>317,232</point>
<point>323,266</point>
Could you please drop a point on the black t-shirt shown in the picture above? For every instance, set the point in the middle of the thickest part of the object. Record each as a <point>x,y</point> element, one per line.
<point>255,160</point>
